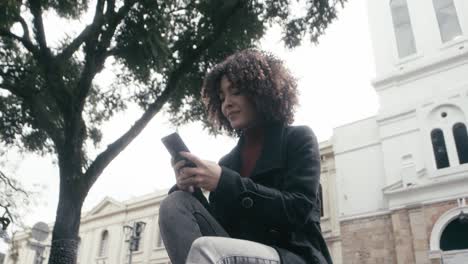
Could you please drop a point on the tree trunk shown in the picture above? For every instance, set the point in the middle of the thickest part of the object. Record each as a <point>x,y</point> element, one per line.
<point>65,238</point>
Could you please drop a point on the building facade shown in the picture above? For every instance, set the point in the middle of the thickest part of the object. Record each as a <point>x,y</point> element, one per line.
<point>103,239</point>
<point>330,224</point>
<point>402,175</point>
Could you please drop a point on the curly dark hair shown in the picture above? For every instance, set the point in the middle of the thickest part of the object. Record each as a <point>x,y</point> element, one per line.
<point>259,75</point>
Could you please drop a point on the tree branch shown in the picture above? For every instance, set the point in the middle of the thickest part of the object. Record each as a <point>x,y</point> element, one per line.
<point>38,109</point>
<point>96,45</point>
<point>110,7</point>
<point>105,157</point>
<point>88,33</point>
<point>96,53</point>
<point>76,43</point>
<point>25,27</point>
<point>26,42</point>
<point>36,11</point>
<point>8,182</point>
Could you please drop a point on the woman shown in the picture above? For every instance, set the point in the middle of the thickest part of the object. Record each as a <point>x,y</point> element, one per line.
<point>263,203</point>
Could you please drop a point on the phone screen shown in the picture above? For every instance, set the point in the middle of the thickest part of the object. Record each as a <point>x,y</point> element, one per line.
<point>174,145</point>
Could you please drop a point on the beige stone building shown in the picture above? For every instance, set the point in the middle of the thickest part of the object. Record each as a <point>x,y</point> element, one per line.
<point>102,235</point>
<point>329,221</point>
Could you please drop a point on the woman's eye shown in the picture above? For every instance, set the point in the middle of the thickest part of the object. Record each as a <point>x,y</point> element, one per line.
<point>236,92</point>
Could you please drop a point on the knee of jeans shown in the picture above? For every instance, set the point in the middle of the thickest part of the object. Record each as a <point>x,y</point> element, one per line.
<point>203,244</point>
<point>171,203</point>
<point>202,251</point>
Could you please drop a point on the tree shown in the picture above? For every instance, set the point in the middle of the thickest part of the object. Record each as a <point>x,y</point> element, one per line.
<point>16,200</point>
<point>161,49</point>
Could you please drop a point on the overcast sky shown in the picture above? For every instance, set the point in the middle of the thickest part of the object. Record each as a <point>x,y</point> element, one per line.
<point>334,83</point>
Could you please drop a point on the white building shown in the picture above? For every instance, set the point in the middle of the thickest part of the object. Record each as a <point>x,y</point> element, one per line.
<point>402,175</point>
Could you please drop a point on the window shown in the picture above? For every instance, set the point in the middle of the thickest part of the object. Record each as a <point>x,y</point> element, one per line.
<point>78,247</point>
<point>454,235</point>
<point>461,142</point>
<point>103,244</point>
<point>321,200</point>
<point>447,18</point>
<point>159,242</point>
<point>138,232</point>
<point>440,151</point>
<point>403,29</point>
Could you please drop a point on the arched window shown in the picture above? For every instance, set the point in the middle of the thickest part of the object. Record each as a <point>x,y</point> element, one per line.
<point>449,26</point>
<point>440,151</point>
<point>103,244</point>
<point>461,142</point>
<point>403,29</point>
<point>455,234</point>
<point>321,200</point>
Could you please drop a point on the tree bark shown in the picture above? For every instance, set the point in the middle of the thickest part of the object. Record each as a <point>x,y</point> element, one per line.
<point>65,239</point>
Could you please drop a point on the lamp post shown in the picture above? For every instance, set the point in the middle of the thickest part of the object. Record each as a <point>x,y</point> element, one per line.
<point>134,233</point>
<point>39,233</point>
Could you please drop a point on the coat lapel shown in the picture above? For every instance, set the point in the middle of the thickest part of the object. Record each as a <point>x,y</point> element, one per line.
<point>272,154</point>
<point>233,160</point>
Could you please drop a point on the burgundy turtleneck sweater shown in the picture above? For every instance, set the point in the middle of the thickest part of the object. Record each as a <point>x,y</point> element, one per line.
<point>251,149</point>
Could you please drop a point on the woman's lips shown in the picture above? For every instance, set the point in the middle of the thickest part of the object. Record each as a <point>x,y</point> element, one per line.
<point>231,114</point>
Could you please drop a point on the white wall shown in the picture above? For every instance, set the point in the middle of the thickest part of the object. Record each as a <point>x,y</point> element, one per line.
<point>419,88</point>
<point>359,168</point>
<point>426,32</point>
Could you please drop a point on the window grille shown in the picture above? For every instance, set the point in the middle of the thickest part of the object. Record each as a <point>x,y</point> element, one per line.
<point>461,142</point>
<point>103,244</point>
<point>446,14</point>
<point>403,29</point>
<point>440,150</point>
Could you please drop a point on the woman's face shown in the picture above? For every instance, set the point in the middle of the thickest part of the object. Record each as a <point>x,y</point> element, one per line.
<point>236,107</point>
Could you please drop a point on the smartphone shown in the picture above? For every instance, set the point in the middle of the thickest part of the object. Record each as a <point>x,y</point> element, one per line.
<point>174,144</point>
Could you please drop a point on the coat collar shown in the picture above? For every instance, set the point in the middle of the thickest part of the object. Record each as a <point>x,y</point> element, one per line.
<point>272,154</point>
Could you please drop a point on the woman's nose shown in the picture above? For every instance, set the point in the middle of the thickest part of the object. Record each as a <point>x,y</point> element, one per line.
<point>227,100</point>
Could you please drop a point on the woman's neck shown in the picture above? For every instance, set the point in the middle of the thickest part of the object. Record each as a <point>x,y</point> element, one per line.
<point>253,134</point>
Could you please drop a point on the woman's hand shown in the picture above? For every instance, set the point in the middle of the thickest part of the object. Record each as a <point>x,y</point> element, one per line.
<point>177,170</point>
<point>206,175</point>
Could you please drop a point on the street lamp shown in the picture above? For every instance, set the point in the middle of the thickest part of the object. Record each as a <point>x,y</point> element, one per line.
<point>39,233</point>
<point>134,234</point>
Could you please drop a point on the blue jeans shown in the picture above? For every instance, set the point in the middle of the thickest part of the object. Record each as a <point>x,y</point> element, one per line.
<point>192,235</point>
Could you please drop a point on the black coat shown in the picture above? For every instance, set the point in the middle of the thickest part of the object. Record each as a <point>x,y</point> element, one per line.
<point>278,205</point>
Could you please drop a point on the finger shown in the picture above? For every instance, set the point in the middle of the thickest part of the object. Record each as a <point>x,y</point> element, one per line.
<point>188,181</point>
<point>190,171</point>
<point>179,165</point>
<point>198,162</point>
<point>184,173</point>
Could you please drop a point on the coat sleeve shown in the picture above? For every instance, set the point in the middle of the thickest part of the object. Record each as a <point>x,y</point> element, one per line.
<point>287,208</point>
